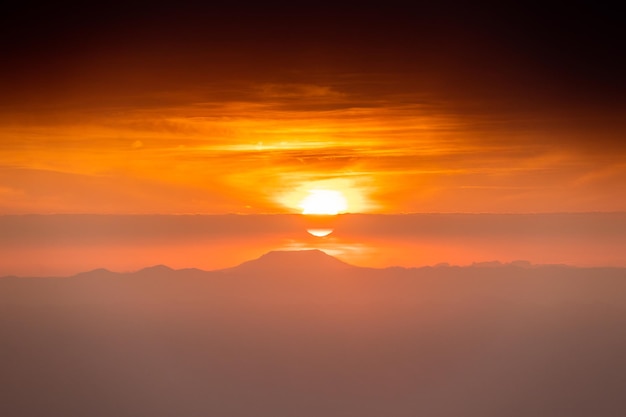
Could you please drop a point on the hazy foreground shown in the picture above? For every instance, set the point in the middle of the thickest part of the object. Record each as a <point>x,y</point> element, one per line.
<point>303,334</point>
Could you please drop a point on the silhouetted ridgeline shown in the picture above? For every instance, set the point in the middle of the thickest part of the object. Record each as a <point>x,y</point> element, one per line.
<point>304,334</point>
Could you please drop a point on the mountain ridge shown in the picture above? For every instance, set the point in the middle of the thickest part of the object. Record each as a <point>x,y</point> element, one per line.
<point>298,261</point>
<point>295,261</point>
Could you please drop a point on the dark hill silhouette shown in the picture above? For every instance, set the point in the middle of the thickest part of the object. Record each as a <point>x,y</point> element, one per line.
<point>298,262</point>
<point>96,273</point>
<point>303,334</point>
<point>294,261</point>
<point>156,269</point>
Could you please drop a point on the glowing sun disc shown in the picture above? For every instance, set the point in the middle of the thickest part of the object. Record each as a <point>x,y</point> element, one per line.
<point>326,202</point>
<point>320,232</point>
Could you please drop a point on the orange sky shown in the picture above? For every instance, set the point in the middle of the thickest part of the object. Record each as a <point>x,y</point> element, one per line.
<point>260,154</point>
<point>200,111</point>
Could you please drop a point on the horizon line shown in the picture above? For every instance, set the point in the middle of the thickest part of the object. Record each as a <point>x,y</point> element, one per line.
<point>315,215</point>
<point>519,263</point>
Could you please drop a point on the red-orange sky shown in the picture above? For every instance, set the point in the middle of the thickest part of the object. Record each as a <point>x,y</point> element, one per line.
<point>223,109</point>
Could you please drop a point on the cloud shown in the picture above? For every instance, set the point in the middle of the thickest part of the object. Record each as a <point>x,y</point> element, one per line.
<point>300,91</point>
<point>246,142</point>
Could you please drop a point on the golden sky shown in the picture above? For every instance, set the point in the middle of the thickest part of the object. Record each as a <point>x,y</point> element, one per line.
<point>225,112</point>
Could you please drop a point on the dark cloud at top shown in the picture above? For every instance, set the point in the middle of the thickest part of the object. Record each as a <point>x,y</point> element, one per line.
<point>479,51</point>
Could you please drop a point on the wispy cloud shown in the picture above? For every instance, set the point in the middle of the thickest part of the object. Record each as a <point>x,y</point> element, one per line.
<point>249,144</point>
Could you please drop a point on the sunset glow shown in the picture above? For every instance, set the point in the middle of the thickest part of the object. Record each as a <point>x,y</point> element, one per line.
<point>270,111</point>
<point>256,153</point>
<point>329,202</point>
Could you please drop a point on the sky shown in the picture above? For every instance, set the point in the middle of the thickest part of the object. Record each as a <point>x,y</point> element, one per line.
<point>120,115</point>
<point>216,109</point>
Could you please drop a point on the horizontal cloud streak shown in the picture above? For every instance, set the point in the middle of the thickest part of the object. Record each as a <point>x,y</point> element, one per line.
<point>285,135</point>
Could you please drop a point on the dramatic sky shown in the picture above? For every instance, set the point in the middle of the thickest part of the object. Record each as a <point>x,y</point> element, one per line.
<point>172,108</point>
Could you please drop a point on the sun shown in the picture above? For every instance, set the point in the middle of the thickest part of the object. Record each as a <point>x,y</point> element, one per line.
<point>324,202</point>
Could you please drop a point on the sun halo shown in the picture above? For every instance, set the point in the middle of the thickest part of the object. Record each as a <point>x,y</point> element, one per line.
<point>324,202</point>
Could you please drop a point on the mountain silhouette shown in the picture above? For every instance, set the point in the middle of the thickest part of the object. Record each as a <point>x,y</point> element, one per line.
<point>311,262</point>
<point>96,273</point>
<point>302,261</point>
<point>156,269</point>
